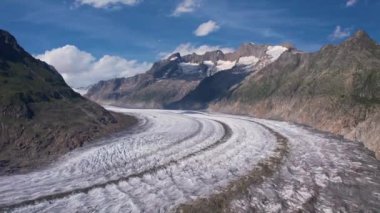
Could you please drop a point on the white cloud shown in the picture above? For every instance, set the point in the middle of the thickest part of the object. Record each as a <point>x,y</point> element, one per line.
<point>107,3</point>
<point>186,6</point>
<point>188,48</point>
<point>340,33</point>
<point>206,28</point>
<point>351,3</point>
<point>80,68</point>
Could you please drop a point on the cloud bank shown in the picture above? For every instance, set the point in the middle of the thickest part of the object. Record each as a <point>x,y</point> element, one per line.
<point>80,68</point>
<point>106,3</point>
<point>206,28</point>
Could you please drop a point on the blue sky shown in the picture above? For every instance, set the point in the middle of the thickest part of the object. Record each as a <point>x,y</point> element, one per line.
<point>142,31</point>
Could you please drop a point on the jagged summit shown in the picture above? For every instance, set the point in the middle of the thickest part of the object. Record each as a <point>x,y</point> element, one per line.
<point>361,34</point>
<point>174,56</point>
<point>9,48</point>
<point>6,37</point>
<point>249,49</point>
<point>360,39</point>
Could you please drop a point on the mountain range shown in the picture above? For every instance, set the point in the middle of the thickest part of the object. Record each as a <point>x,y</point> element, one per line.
<point>171,80</point>
<point>41,117</point>
<point>335,89</point>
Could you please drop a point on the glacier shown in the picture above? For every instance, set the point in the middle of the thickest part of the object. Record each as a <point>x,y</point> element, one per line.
<point>178,157</point>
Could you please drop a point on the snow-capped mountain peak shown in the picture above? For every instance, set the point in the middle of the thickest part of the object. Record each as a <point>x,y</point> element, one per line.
<point>247,58</point>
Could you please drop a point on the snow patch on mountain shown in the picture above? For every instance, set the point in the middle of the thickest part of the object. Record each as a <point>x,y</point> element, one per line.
<point>225,65</point>
<point>248,60</point>
<point>275,52</point>
<point>173,58</point>
<point>210,64</point>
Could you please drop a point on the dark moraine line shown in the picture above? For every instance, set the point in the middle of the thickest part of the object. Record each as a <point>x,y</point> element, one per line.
<point>227,135</point>
<point>264,169</point>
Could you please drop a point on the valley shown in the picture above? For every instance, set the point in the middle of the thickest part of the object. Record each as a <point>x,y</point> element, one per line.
<point>189,106</point>
<point>188,160</point>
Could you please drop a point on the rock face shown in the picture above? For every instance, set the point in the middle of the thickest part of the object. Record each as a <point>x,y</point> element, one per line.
<point>141,91</point>
<point>336,89</point>
<point>183,81</point>
<point>40,116</point>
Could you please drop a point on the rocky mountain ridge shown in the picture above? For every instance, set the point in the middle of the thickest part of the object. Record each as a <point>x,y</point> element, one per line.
<point>41,117</point>
<point>171,79</point>
<point>336,89</point>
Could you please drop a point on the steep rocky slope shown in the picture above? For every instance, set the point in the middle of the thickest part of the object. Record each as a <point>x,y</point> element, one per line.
<point>40,116</point>
<point>210,89</point>
<point>336,89</point>
<point>141,91</point>
<point>174,82</point>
